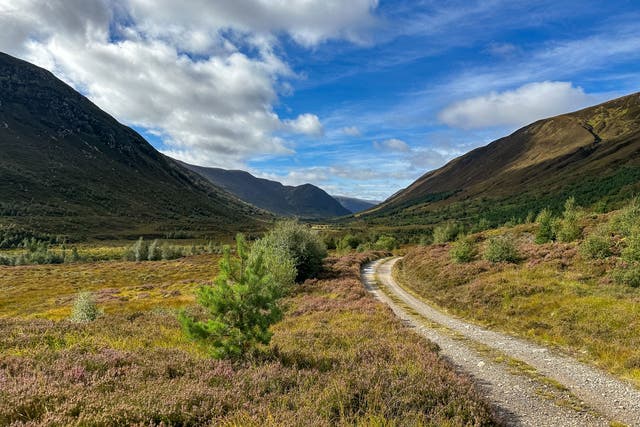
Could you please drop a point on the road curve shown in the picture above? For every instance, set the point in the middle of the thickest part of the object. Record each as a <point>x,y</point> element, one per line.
<point>558,391</point>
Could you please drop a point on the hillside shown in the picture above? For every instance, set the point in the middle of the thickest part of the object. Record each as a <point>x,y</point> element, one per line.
<point>67,167</point>
<point>593,154</point>
<point>305,201</point>
<point>355,205</point>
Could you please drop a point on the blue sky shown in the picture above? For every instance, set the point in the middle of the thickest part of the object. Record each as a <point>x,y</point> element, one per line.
<point>360,97</point>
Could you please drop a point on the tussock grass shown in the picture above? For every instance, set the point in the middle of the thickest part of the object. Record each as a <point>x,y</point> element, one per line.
<point>338,358</point>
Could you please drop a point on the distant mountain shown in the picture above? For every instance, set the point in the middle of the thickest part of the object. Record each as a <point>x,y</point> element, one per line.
<point>67,167</point>
<point>355,205</point>
<point>305,201</point>
<point>592,154</point>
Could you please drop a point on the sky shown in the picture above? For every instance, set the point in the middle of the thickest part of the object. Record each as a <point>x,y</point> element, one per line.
<point>359,97</point>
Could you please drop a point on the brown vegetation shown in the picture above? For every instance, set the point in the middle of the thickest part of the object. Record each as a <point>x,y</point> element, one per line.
<point>338,358</point>
<point>555,295</point>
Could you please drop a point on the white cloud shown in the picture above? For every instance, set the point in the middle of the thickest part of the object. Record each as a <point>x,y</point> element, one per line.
<point>517,107</point>
<point>306,124</point>
<point>203,75</point>
<point>351,131</point>
<point>393,145</point>
<point>308,22</point>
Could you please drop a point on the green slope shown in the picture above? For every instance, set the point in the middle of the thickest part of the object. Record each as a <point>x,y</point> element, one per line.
<point>69,168</point>
<point>592,154</point>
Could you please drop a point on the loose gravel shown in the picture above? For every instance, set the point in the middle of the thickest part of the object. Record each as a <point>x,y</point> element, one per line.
<point>575,395</point>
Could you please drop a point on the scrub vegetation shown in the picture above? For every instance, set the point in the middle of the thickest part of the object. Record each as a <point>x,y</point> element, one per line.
<point>572,281</point>
<point>337,357</point>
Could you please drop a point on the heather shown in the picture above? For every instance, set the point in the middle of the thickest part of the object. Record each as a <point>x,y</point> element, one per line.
<point>581,296</point>
<point>338,357</point>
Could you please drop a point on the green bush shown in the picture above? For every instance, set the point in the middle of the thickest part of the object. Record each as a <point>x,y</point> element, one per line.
<point>445,233</point>
<point>242,306</point>
<point>631,251</point>
<point>597,245</point>
<point>168,252</point>
<point>425,240</point>
<point>303,245</point>
<point>277,261</point>
<point>84,308</point>
<point>545,227</point>
<point>463,249</point>
<point>74,256</point>
<point>501,249</point>
<point>386,243</point>
<point>628,219</point>
<point>628,275</point>
<point>153,252</point>
<point>568,228</point>
<point>348,242</point>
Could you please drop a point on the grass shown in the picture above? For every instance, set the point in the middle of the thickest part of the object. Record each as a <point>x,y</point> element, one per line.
<point>47,291</point>
<point>553,296</point>
<point>338,358</point>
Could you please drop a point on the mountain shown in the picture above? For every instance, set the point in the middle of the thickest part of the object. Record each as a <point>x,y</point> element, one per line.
<point>592,154</point>
<point>67,167</point>
<point>355,205</point>
<point>305,201</point>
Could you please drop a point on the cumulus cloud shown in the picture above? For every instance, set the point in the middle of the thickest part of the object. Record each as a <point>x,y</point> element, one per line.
<point>202,75</point>
<point>393,145</point>
<point>306,124</point>
<point>517,107</point>
<point>351,131</point>
<point>308,22</point>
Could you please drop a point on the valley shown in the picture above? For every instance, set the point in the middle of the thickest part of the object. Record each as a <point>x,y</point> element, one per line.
<point>319,213</point>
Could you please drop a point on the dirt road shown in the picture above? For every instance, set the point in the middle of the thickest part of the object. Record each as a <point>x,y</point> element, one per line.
<point>529,384</point>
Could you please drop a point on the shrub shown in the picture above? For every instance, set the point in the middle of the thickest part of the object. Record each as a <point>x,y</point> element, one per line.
<point>463,249</point>
<point>628,219</point>
<point>74,256</point>
<point>168,251</point>
<point>501,249</point>
<point>597,245</point>
<point>84,308</point>
<point>628,275</point>
<point>425,240</point>
<point>243,305</point>
<point>386,243</point>
<point>631,251</point>
<point>568,228</point>
<point>445,233</point>
<point>545,227</point>
<point>153,252</point>
<point>304,246</point>
<point>277,261</point>
<point>348,242</point>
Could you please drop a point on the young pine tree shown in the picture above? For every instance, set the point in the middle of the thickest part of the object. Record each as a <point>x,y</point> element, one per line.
<point>242,305</point>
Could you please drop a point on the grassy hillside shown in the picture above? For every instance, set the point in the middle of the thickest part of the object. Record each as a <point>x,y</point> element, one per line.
<point>305,201</point>
<point>592,154</point>
<point>338,357</point>
<point>69,168</point>
<point>581,296</point>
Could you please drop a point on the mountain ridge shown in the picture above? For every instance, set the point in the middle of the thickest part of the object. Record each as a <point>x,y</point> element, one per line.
<point>70,168</point>
<point>304,201</point>
<point>355,204</point>
<point>547,160</point>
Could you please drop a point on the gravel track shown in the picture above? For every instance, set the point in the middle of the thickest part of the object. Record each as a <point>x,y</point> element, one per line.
<point>579,395</point>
